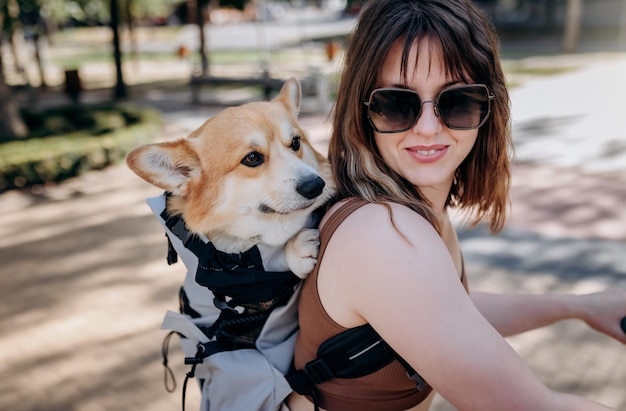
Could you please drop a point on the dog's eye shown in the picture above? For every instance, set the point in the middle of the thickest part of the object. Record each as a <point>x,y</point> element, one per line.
<point>295,143</point>
<point>252,159</point>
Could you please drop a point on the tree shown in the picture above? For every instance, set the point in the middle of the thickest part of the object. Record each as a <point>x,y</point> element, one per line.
<point>572,25</point>
<point>195,13</point>
<point>120,87</point>
<point>35,27</point>
<point>11,124</point>
<point>621,35</point>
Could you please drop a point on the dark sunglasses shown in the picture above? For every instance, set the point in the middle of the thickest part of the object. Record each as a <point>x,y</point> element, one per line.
<point>393,110</point>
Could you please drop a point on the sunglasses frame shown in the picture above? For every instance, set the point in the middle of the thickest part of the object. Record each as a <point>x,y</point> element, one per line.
<point>490,97</point>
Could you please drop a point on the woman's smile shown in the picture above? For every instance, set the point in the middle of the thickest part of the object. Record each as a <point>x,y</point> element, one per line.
<point>428,154</point>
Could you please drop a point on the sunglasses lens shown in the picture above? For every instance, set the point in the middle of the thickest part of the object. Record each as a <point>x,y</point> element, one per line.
<point>464,107</point>
<point>460,108</point>
<point>392,111</point>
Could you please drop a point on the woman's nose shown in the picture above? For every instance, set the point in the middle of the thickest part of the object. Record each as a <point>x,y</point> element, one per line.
<point>428,122</point>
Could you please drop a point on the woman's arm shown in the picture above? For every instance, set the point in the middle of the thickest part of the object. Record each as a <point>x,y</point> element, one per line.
<point>512,314</point>
<point>411,294</point>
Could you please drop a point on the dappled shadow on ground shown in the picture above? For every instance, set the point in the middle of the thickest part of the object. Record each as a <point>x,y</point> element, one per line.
<point>573,141</point>
<point>539,128</point>
<point>558,262</point>
<point>565,227</point>
<point>84,287</point>
<point>568,202</point>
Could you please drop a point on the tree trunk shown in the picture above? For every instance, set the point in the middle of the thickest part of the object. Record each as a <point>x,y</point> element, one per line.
<point>550,14</point>
<point>572,25</point>
<point>18,67</point>
<point>192,10</point>
<point>40,67</point>
<point>621,35</point>
<point>200,21</point>
<point>132,36</point>
<point>11,124</point>
<point>120,87</point>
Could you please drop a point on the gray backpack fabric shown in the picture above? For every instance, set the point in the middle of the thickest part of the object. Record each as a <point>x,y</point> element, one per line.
<point>243,379</point>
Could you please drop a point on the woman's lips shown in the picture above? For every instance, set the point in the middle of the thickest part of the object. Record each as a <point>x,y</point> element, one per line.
<point>428,154</point>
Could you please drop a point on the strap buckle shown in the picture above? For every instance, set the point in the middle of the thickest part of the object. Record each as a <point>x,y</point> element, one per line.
<point>419,381</point>
<point>318,371</point>
<point>181,231</point>
<point>199,357</point>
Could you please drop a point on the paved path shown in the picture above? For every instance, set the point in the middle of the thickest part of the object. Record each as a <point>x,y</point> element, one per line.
<point>84,283</point>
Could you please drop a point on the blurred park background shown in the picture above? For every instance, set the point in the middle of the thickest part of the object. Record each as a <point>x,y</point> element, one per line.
<point>60,57</point>
<point>83,279</point>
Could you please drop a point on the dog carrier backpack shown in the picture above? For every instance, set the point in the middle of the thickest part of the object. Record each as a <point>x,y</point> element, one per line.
<point>237,337</point>
<point>244,292</point>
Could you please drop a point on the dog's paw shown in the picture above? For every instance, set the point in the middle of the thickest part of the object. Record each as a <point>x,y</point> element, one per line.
<point>301,251</point>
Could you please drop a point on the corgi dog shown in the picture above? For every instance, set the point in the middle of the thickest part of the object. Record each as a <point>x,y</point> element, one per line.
<point>247,176</point>
<point>245,186</point>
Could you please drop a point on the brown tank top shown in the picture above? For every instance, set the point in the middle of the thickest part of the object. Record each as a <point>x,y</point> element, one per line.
<point>387,389</point>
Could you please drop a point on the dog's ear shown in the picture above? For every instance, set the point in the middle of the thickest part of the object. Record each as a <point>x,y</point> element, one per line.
<point>170,166</point>
<point>291,95</point>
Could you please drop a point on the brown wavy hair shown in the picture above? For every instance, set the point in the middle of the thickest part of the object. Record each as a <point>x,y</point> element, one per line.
<point>469,46</point>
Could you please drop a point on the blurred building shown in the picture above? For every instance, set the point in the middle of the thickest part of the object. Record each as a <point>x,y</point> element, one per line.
<point>551,14</point>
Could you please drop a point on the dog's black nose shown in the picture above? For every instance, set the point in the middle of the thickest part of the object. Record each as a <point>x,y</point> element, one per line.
<point>311,188</point>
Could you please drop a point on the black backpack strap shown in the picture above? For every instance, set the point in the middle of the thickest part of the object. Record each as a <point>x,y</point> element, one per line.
<point>353,353</point>
<point>176,225</point>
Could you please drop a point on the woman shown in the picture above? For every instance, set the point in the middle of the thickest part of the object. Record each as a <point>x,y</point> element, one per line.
<point>421,125</point>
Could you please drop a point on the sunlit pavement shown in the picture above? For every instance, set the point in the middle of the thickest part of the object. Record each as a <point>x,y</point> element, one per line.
<point>84,282</point>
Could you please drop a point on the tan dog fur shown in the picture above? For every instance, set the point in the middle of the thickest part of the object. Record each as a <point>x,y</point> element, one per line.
<point>235,178</point>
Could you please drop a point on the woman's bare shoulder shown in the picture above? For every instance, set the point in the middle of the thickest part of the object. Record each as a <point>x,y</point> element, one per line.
<point>379,247</point>
<point>381,215</point>
<point>384,227</point>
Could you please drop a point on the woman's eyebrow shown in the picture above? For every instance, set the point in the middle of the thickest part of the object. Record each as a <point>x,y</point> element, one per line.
<point>402,86</point>
<point>406,87</point>
<point>452,83</point>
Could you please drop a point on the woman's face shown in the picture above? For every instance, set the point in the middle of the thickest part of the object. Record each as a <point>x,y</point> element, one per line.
<point>429,153</point>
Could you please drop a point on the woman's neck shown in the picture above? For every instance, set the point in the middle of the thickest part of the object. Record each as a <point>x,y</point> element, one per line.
<point>437,197</point>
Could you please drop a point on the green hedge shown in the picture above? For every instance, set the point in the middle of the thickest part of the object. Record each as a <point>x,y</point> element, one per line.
<point>66,142</point>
